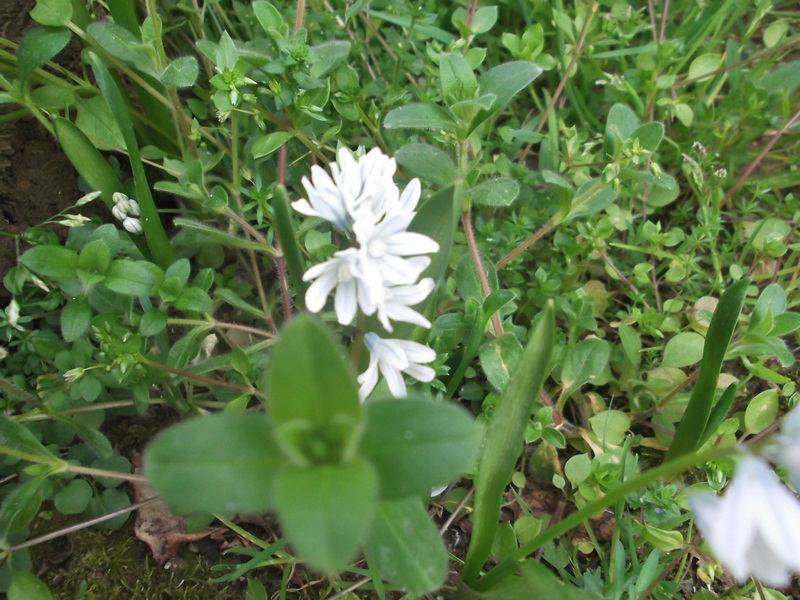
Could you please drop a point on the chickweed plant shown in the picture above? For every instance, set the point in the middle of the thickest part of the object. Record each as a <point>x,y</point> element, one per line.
<point>403,269</point>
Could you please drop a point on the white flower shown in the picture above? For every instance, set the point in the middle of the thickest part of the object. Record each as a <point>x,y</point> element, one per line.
<point>392,358</point>
<point>383,248</point>
<point>340,273</point>
<point>754,529</point>
<point>358,190</point>
<point>396,301</point>
<point>786,450</point>
<point>132,225</point>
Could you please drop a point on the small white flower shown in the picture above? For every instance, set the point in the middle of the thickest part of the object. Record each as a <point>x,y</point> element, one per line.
<point>754,529</point>
<point>392,358</point>
<point>12,313</point>
<point>132,225</point>
<point>73,220</point>
<point>382,252</point>
<point>396,302</point>
<point>133,208</point>
<point>85,199</point>
<point>340,273</point>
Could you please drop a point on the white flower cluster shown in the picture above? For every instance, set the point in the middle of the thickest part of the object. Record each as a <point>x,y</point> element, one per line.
<point>754,529</point>
<point>127,210</point>
<point>379,273</point>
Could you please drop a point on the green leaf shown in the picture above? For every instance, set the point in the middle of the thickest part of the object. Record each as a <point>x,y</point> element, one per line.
<point>87,160</point>
<point>55,262</point>
<point>419,116</point>
<point>95,258</point>
<point>683,350</point>
<point>584,363</point>
<point>418,444</point>
<point>94,118</point>
<point>704,65</point>
<point>531,579</point>
<point>122,44</point>
<point>649,135</point>
<point>427,162</point>
<point>310,379</point>
<point>404,546</point>
<point>17,441</point>
<point>267,144</point>
<point>468,282</point>
<point>20,507</point>
<point>133,277</point>
<point>504,438</point>
<point>695,419</point>
<point>75,318</point>
<point>53,13</point>
<point>270,19</point>
<point>289,244</point>
<point>27,586</point>
<point>223,463</point>
<point>761,411</point>
<point>577,469</point>
<point>498,358</point>
<point>456,76</point>
<point>153,322</point>
<point>39,45</point>
<point>620,124</point>
<point>610,426</point>
<point>495,192</point>
<point>74,497</point>
<point>194,299</point>
<point>223,237</point>
<point>592,197</point>
<point>325,57</point>
<point>181,72</point>
<point>719,413</point>
<point>504,82</point>
<point>325,511</point>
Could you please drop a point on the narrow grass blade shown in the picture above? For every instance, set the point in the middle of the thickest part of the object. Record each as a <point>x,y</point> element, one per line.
<point>289,245</point>
<point>154,232</point>
<point>694,422</point>
<point>504,438</point>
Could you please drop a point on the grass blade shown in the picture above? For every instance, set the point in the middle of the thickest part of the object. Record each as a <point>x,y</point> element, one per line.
<point>693,424</point>
<point>503,441</point>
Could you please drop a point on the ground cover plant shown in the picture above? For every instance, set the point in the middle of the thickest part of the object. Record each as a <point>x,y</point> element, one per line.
<point>469,300</point>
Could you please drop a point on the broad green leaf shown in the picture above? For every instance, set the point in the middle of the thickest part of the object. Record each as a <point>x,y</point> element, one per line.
<point>456,77</point>
<point>95,258</point>
<point>270,19</point>
<point>495,192</point>
<point>17,441</point>
<point>761,411</point>
<point>649,135</point>
<point>664,192</point>
<point>267,144</point>
<point>695,419</point>
<point>585,362</point>
<point>181,72</point>
<point>20,507</point>
<point>122,44</point>
<point>87,160</point>
<point>55,262</point>
<point>782,80</point>
<point>577,469</point>
<point>620,124</point>
<point>27,586</point>
<point>255,590</point>
<point>498,358</point>
<point>94,119</point>
<point>404,546</point>
<point>325,57</point>
<point>310,379</point>
<point>39,45</point>
<point>704,65</point>
<point>610,426</point>
<point>683,350</point>
<point>53,13</point>
<point>771,303</point>
<point>427,162</point>
<point>664,540</point>
<point>75,318</point>
<point>467,281</point>
<point>419,116</point>
<point>133,277</point>
<point>326,511</point>
<point>74,497</point>
<point>194,299</point>
<point>631,344</point>
<point>223,463</point>
<point>418,444</point>
<point>504,437</point>
<point>504,82</point>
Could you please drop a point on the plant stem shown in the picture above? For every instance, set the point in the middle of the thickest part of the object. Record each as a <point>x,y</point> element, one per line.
<point>103,473</point>
<point>544,229</point>
<point>476,260</point>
